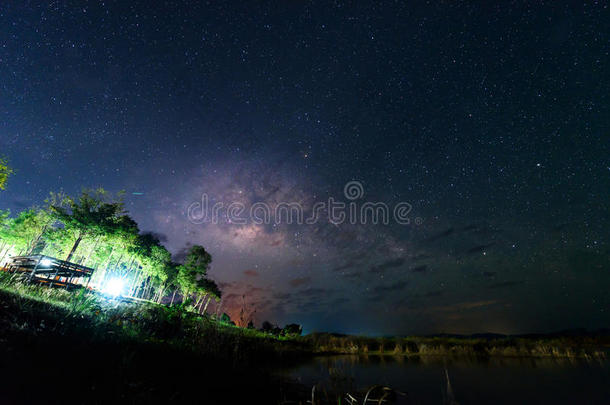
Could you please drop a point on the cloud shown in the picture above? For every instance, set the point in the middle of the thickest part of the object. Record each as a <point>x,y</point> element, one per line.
<point>399,285</point>
<point>160,236</point>
<point>419,269</point>
<point>354,275</point>
<point>479,248</point>
<point>440,235</point>
<point>312,291</point>
<point>505,284</point>
<point>388,265</point>
<point>340,301</point>
<point>281,296</point>
<point>462,306</point>
<point>180,256</point>
<point>296,282</point>
<point>343,266</point>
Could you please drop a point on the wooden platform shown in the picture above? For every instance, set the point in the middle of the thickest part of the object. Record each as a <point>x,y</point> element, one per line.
<point>49,270</point>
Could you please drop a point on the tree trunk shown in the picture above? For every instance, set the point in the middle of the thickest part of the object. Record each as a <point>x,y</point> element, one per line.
<point>92,250</point>
<point>198,303</point>
<point>218,308</point>
<point>5,253</point>
<point>147,288</point>
<point>161,294</point>
<point>129,266</point>
<point>35,242</point>
<point>134,283</point>
<point>74,247</point>
<point>173,297</point>
<point>205,308</point>
<point>118,262</point>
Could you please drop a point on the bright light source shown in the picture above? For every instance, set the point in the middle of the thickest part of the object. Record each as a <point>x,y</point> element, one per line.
<point>114,287</point>
<point>45,262</point>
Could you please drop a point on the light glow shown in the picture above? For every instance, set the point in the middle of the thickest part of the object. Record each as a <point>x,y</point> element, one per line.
<point>114,287</point>
<point>45,262</point>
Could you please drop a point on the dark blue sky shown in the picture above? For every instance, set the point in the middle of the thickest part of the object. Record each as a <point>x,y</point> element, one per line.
<point>491,121</point>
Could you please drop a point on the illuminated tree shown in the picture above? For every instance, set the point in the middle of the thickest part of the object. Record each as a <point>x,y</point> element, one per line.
<point>171,281</point>
<point>5,172</point>
<point>5,222</point>
<point>195,267</point>
<point>23,233</point>
<point>198,260</point>
<point>155,264</point>
<point>89,215</point>
<point>207,290</point>
<point>192,282</point>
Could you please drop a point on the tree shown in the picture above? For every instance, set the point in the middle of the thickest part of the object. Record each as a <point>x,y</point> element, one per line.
<point>209,290</point>
<point>226,319</point>
<point>193,270</point>
<point>25,231</point>
<point>171,282</point>
<point>88,215</point>
<point>156,264</point>
<point>198,260</point>
<point>5,233</point>
<point>268,327</point>
<point>5,172</point>
<point>292,330</point>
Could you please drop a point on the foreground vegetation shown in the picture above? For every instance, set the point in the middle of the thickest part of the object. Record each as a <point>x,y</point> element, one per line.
<point>100,351</point>
<point>178,326</point>
<point>509,346</point>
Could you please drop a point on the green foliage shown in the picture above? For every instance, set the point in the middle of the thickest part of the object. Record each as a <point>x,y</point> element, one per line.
<point>94,229</point>
<point>224,318</point>
<point>23,232</point>
<point>91,215</point>
<point>292,330</point>
<point>142,322</point>
<point>191,277</point>
<point>5,172</point>
<point>197,261</point>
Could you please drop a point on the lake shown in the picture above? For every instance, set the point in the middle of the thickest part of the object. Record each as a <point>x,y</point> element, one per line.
<point>473,381</point>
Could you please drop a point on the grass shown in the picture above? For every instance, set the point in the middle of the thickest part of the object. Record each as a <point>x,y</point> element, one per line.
<point>148,322</point>
<point>79,347</point>
<point>571,347</point>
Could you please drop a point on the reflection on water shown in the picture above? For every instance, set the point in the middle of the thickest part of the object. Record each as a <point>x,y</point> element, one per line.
<point>473,381</point>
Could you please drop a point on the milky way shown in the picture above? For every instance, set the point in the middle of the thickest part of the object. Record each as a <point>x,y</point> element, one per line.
<point>491,122</point>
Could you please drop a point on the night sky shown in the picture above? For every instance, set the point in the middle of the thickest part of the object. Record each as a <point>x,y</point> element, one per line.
<point>491,121</point>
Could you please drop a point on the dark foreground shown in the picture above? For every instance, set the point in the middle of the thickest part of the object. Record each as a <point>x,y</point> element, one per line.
<point>49,356</point>
<point>58,347</point>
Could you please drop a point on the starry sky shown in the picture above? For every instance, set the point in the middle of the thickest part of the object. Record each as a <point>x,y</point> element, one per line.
<point>492,121</point>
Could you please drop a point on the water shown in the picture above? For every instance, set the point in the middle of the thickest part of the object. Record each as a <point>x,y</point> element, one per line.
<point>489,381</point>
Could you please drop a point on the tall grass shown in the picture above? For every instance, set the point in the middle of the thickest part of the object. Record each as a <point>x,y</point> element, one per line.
<point>141,322</point>
<point>443,346</point>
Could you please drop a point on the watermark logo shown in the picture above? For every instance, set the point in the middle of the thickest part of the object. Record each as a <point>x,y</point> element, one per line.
<point>353,190</point>
<point>353,211</point>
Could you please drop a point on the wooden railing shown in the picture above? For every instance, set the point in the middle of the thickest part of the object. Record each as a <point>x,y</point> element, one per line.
<point>48,269</point>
